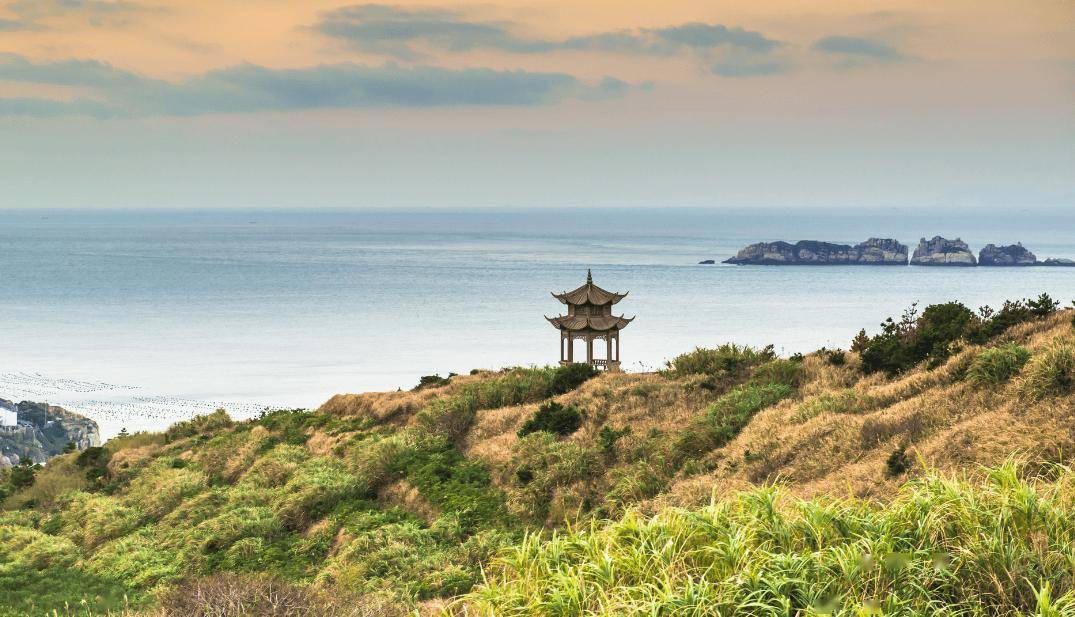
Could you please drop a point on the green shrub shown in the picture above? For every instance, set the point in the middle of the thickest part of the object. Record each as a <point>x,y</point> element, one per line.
<point>288,425</point>
<point>723,421</point>
<point>453,484</point>
<point>933,336</point>
<point>570,376</point>
<point>727,359</point>
<point>835,357</point>
<point>897,463</point>
<point>786,372</point>
<point>1051,373</point>
<point>552,417</point>
<point>607,438</point>
<point>201,424</point>
<point>451,416</point>
<point>996,365</point>
<point>432,381</point>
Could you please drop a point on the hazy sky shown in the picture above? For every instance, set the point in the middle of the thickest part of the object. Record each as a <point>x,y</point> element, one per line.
<point>250,103</point>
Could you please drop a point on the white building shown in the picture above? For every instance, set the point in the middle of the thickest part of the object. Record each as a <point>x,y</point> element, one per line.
<point>8,418</point>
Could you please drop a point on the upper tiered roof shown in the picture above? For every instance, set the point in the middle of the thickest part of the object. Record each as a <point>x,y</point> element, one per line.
<point>589,293</point>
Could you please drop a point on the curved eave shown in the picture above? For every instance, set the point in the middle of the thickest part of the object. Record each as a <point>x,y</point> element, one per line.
<point>597,324</point>
<point>589,294</point>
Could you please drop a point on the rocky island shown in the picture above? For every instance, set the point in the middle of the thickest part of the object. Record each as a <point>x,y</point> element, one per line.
<point>872,252</point>
<point>943,252</point>
<point>1006,256</point>
<point>938,251</point>
<point>37,431</point>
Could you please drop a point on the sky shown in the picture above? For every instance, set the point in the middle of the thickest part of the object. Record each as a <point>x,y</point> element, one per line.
<point>531,104</point>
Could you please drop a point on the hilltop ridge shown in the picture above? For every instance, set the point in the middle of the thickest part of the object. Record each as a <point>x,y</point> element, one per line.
<point>398,501</point>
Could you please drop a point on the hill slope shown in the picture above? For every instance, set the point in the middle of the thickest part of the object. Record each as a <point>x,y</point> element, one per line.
<point>399,499</point>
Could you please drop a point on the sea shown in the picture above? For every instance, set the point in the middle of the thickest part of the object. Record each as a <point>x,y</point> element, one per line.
<point>141,318</point>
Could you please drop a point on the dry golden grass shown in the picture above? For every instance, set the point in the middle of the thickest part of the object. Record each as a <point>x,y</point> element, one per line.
<point>936,415</point>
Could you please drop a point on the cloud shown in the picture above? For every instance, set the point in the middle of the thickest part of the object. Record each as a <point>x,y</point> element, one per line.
<point>251,88</point>
<point>859,48</point>
<point>749,69</point>
<point>403,33</point>
<point>49,108</point>
<point>96,13</point>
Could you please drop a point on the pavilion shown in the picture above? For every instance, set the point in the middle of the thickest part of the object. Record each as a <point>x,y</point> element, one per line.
<point>589,317</point>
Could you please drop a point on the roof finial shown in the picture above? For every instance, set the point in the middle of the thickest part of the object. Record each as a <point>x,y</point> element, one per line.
<point>589,277</point>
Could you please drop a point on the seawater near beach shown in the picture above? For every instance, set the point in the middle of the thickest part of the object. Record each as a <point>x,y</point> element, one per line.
<point>142,318</point>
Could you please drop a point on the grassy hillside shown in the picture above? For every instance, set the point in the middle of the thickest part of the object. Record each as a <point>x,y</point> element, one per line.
<point>377,504</point>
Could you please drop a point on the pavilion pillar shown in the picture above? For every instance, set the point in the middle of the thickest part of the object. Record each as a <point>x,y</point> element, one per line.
<point>589,349</point>
<point>570,348</point>
<point>608,349</point>
<point>617,346</point>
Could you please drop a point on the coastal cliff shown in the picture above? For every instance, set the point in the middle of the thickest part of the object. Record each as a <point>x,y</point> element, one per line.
<point>872,252</point>
<point>42,431</point>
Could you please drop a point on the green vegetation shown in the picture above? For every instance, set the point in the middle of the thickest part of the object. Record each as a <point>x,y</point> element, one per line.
<point>934,335</point>
<point>552,417</point>
<point>725,363</point>
<point>1051,373</point>
<point>996,365</point>
<point>940,547</point>
<point>381,503</point>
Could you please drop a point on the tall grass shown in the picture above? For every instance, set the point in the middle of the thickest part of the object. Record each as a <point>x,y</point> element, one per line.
<point>1050,373</point>
<point>996,365</point>
<point>941,547</point>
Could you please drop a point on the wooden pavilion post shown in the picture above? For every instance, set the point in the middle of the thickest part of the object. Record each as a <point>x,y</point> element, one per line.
<point>589,349</point>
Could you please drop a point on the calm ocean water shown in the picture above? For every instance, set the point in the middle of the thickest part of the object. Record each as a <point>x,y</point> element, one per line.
<point>140,318</point>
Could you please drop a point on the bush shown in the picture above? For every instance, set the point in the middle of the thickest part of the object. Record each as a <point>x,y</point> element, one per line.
<point>786,372</point>
<point>201,424</point>
<point>897,463</point>
<point>996,365</point>
<point>1050,373</point>
<point>727,359</point>
<point>432,381</point>
<point>94,461</point>
<point>726,418</point>
<point>570,376</point>
<point>552,417</point>
<point>932,336</point>
<point>835,357</point>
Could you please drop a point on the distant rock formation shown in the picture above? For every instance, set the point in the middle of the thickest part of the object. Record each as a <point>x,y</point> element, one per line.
<point>943,252</point>
<point>42,431</point>
<point>706,262</point>
<point>1011,255</point>
<point>873,252</point>
<point>1058,262</point>
<point>882,252</point>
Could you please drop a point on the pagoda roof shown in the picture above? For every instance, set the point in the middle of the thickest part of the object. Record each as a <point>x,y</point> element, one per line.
<point>599,323</point>
<point>589,293</point>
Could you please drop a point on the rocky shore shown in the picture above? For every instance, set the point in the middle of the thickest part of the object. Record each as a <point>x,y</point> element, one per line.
<point>39,432</point>
<point>935,252</point>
